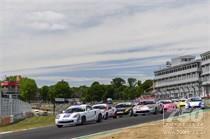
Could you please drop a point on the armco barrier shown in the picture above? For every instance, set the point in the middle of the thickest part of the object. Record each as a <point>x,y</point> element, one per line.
<point>6,120</point>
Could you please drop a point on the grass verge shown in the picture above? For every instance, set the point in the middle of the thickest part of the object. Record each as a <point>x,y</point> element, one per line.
<point>33,122</point>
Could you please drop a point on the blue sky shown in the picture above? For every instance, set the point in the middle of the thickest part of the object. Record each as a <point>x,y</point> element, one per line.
<point>81,41</point>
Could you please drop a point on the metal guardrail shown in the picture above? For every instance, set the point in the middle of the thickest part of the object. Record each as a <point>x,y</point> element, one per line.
<point>13,107</point>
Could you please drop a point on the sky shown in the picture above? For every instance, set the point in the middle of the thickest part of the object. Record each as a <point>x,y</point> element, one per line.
<point>82,41</point>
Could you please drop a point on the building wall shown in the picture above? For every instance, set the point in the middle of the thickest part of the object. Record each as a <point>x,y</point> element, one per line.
<point>181,79</point>
<point>205,76</point>
<point>184,77</point>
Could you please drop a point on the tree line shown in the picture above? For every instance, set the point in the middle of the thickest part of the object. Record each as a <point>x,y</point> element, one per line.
<point>118,89</point>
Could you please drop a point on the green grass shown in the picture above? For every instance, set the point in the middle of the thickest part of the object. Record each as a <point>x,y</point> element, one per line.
<point>32,122</point>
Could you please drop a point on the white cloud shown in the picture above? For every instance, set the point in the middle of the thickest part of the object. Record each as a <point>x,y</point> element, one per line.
<point>48,26</point>
<point>47,20</point>
<point>48,16</point>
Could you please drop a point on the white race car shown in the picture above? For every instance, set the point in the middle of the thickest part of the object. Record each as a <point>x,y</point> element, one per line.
<point>194,102</point>
<point>145,107</point>
<point>106,110</point>
<point>78,114</point>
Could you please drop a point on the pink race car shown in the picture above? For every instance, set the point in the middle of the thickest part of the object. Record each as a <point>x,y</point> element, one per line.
<point>166,106</point>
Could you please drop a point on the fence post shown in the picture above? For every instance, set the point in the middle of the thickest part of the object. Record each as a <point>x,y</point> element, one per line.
<point>10,102</point>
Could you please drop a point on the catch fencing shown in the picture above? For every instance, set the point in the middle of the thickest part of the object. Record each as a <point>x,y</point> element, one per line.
<point>13,107</point>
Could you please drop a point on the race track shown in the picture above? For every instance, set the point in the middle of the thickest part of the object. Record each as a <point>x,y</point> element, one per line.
<point>76,131</point>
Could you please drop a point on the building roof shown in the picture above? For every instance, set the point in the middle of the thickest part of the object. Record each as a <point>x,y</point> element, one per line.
<point>185,56</point>
<point>206,53</point>
<point>172,67</point>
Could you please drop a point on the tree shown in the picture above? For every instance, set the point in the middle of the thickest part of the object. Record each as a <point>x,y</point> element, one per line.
<point>76,93</point>
<point>44,93</point>
<point>147,84</point>
<point>62,89</point>
<point>52,93</point>
<point>118,82</point>
<point>109,92</point>
<point>83,90</point>
<point>95,83</point>
<point>86,96</point>
<point>11,78</point>
<point>28,89</point>
<point>132,82</point>
<point>139,88</point>
<point>96,92</point>
<point>139,83</point>
<point>130,93</point>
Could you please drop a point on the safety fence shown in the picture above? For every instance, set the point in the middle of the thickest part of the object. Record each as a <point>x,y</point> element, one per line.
<point>12,110</point>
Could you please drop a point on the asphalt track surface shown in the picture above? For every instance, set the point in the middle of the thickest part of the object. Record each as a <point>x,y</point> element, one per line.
<point>81,130</point>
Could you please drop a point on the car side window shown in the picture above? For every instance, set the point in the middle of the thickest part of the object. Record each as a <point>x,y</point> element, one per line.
<point>89,108</point>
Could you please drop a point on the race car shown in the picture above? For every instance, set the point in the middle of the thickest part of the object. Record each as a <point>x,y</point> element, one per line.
<point>145,107</point>
<point>195,102</point>
<point>124,108</point>
<point>78,114</point>
<point>175,101</point>
<point>181,104</point>
<point>106,110</point>
<point>38,112</point>
<point>166,106</point>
